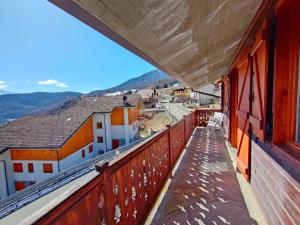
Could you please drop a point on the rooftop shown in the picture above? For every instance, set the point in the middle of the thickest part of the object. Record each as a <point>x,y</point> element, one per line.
<point>50,131</point>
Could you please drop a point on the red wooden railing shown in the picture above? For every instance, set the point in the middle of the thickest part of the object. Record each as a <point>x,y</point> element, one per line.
<point>203,115</point>
<point>127,187</point>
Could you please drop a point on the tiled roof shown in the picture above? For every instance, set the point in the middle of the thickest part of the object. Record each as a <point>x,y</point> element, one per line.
<point>53,130</point>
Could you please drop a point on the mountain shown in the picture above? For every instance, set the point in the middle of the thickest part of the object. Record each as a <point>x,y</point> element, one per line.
<point>14,106</point>
<point>5,92</point>
<point>153,78</point>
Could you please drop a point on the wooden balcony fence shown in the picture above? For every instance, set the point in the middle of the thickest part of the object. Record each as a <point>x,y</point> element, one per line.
<point>127,187</point>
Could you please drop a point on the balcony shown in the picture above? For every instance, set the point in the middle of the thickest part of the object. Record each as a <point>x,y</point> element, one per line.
<point>125,190</point>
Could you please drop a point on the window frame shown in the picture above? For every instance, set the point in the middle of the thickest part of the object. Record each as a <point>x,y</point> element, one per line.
<point>30,168</point>
<point>16,169</point>
<point>99,139</point>
<point>20,183</point>
<point>91,149</point>
<point>99,125</point>
<point>47,168</point>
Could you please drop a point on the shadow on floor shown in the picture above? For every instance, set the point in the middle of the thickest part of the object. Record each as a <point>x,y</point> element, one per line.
<point>204,189</point>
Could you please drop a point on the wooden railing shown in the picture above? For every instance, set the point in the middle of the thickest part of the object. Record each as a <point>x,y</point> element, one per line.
<point>203,115</point>
<point>127,187</point>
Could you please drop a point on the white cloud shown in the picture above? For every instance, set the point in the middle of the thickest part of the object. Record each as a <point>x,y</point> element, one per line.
<point>95,88</point>
<point>61,84</point>
<point>2,84</point>
<point>53,82</point>
<point>48,82</point>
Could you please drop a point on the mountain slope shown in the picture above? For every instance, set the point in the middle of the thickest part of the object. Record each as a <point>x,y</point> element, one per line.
<point>145,80</point>
<point>14,106</point>
<point>17,105</point>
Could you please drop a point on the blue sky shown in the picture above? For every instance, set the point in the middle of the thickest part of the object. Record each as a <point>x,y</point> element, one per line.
<point>42,48</point>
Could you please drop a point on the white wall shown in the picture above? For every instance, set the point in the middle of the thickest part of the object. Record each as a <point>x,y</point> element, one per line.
<point>38,173</point>
<point>126,126</point>
<point>117,132</point>
<point>3,183</point>
<point>8,172</point>
<point>76,157</point>
<point>99,117</point>
<point>108,130</point>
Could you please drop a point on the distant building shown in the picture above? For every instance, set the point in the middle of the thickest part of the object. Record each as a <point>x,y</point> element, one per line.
<point>34,148</point>
<point>201,99</point>
<point>182,94</point>
<point>149,97</point>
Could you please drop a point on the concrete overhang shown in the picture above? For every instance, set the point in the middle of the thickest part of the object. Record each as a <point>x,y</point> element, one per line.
<point>192,40</point>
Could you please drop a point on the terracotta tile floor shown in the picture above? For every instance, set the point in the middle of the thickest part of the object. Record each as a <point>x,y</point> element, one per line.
<point>204,189</point>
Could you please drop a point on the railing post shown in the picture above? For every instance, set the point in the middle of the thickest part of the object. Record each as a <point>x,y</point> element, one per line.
<point>170,147</point>
<point>184,130</point>
<point>105,203</point>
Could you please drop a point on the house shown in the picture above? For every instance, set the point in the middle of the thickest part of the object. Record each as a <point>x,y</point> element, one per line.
<point>149,97</point>
<point>182,94</point>
<point>34,148</point>
<point>208,94</point>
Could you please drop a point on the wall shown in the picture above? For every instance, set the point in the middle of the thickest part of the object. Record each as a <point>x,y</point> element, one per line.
<point>9,172</point>
<point>108,130</point>
<point>277,192</point>
<point>38,174</point>
<point>82,137</point>
<point>117,116</point>
<point>99,117</point>
<point>77,158</point>
<point>3,183</point>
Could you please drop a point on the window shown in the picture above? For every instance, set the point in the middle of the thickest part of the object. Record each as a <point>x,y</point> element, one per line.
<point>18,167</point>
<point>20,185</point>
<point>82,153</point>
<point>100,139</point>
<point>99,125</point>
<point>30,168</point>
<point>91,148</point>
<point>47,168</point>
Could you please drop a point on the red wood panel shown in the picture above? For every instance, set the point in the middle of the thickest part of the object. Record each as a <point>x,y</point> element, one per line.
<point>137,182</point>
<point>259,60</point>
<point>83,207</point>
<point>243,109</point>
<point>176,140</point>
<point>277,192</point>
<point>203,115</point>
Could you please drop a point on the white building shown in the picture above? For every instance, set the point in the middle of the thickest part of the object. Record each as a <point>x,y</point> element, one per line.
<point>34,148</point>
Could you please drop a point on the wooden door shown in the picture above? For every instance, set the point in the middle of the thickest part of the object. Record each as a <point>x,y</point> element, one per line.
<point>115,143</point>
<point>243,110</point>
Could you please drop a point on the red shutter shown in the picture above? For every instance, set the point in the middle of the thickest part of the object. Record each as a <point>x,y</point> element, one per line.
<point>257,117</point>
<point>20,185</point>
<point>18,167</point>
<point>243,108</point>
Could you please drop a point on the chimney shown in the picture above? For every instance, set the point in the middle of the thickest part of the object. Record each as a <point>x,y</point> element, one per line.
<point>124,99</point>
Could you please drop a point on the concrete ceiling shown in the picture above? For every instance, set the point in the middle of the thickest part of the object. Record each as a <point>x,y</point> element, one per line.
<point>192,40</point>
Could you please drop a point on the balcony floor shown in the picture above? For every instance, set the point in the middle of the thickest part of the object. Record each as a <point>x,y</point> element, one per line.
<point>204,189</point>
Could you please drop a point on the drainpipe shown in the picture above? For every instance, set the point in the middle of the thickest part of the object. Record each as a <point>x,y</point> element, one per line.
<point>58,166</point>
<point>7,190</point>
<point>105,132</point>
